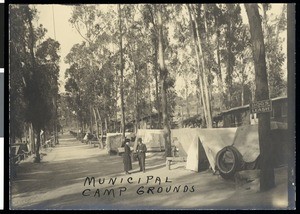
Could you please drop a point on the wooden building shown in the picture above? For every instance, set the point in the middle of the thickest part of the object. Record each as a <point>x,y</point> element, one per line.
<point>239,116</point>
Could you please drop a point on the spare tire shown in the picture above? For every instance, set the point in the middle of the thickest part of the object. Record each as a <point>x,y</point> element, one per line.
<point>229,161</point>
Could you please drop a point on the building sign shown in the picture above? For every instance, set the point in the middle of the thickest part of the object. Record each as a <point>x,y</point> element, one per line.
<point>261,106</point>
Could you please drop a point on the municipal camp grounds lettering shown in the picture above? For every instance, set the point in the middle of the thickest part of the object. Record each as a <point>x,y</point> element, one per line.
<point>97,187</point>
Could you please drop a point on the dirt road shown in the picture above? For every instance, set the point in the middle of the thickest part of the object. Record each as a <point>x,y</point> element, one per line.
<point>64,180</point>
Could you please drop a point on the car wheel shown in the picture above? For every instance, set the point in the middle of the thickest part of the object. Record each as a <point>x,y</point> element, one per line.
<point>229,161</point>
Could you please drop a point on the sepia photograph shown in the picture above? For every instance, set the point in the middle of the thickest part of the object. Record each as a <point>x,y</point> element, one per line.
<point>151,106</point>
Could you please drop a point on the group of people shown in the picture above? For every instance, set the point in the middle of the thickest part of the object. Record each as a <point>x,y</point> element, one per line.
<point>141,150</point>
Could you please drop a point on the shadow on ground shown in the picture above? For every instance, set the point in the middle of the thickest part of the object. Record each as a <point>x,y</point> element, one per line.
<point>58,183</point>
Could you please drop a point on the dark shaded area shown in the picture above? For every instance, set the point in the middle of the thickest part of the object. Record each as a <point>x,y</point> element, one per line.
<point>1,37</point>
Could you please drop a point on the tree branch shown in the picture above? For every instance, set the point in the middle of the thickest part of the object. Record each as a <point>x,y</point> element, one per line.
<point>77,29</point>
<point>152,20</point>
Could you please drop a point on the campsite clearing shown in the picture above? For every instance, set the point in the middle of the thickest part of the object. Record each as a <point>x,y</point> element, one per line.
<point>56,187</point>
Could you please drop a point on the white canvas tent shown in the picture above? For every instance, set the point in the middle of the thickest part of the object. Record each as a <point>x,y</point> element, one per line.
<point>186,141</point>
<point>247,143</point>
<point>201,145</point>
<point>213,140</point>
<point>153,138</point>
<point>114,141</point>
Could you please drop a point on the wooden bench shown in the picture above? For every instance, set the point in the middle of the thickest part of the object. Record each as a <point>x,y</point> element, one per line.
<point>16,156</point>
<point>19,157</point>
<point>169,161</point>
<point>22,156</point>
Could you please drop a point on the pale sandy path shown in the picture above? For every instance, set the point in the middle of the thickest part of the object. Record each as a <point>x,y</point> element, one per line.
<point>58,183</point>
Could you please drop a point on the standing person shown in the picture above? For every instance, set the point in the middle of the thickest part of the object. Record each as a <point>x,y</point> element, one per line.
<point>141,150</point>
<point>127,157</point>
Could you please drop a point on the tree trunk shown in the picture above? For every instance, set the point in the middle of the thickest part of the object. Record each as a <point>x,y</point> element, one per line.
<point>31,49</point>
<point>55,121</point>
<point>56,132</point>
<point>243,86</point>
<point>150,103</point>
<point>229,67</point>
<point>186,98</point>
<point>77,128</point>
<point>163,76</point>
<point>101,146</point>
<point>158,107</point>
<point>32,40</point>
<point>198,101</point>
<point>136,101</point>
<point>29,138</point>
<point>242,95</point>
<point>199,98</point>
<point>116,103</point>
<point>219,75</point>
<point>193,31</point>
<point>203,76</point>
<point>91,119</point>
<point>121,77</point>
<point>96,122</point>
<point>265,32</point>
<point>106,125</point>
<point>38,144</point>
<point>267,178</point>
<point>80,124</point>
<point>205,69</point>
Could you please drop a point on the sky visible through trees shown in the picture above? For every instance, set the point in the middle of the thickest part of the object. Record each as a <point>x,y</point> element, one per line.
<point>120,64</point>
<point>67,36</point>
<point>106,67</point>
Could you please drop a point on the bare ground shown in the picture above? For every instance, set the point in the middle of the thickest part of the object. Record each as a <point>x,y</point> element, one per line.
<point>58,183</point>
